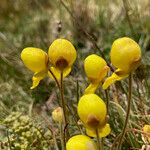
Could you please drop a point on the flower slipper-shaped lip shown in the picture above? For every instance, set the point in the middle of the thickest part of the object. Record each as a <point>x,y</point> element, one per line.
<point>103,132</point>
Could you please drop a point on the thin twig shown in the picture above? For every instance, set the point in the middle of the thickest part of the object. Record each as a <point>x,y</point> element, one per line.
<point>75,119</point>
<point>128,17</point>
<point>50,128</point>
<point>127,130</point>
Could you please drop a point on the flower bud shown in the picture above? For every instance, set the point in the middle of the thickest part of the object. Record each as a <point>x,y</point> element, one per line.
<point>57,114</point>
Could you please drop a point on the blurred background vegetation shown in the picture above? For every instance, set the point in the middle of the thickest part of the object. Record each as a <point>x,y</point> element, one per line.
<point>92,26</point>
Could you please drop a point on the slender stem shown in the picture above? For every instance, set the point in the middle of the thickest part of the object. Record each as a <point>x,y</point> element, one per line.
<point>62,137</point>
<point>75,119</point>
<point>107,103</point>
<point>61,89</point>
<point>55,78</point>
<point>100,147</point>
<point>63,106</point>
<point>128,112</point>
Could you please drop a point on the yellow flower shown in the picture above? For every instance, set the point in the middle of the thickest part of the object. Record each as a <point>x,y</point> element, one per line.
<point>62,54</point>
<point>125,56</point>
<point>80,142</point>
<point>36,60</point>
<point>146,138</point>
<point>96,69</point>
<point>92,111</point>
<point>57,114</point>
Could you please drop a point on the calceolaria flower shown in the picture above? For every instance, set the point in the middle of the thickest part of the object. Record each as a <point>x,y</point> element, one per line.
<point>81,142</point>
<point>41,64</point>
<point>36,60</point>
<point>62,54</point>
<point>126,57</point>
<point>93,113</point>
<point>96,69</point>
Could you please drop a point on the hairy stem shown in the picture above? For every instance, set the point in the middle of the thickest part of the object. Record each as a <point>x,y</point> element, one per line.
<point>107,103</point>
<point>99,143</point>
<point>128,112</point>
<point>62,137</point>
<point>63,107</point>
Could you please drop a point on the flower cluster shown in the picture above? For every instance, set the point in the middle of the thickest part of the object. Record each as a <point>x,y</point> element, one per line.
<point>61,55</point>
<point>125,55</point>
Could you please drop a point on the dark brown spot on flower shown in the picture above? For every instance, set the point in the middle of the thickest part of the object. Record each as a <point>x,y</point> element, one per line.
<point>61,63</point>
<point>92,121</point>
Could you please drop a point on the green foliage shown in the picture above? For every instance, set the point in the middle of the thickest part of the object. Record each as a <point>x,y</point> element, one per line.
<point>24,134</point>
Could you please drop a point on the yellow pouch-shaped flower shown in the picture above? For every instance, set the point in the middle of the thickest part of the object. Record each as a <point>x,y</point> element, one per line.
<point>62,54</point>
<point>103,132</point>
<point>81,142</point>
<point>126,57</point>
<point>35,60</point>
<point>124,53</point>
<point>92,111</point>
<point>96,69</point>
